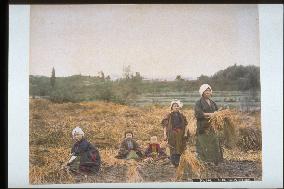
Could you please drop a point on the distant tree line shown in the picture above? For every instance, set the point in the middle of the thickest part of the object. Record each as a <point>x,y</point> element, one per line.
<point>90,88</point>
<point>238,78</point>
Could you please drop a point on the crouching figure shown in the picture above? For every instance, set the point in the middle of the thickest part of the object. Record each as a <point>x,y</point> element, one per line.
<point>154,151</point>
<point>129,148</point>
<point>85,158</point>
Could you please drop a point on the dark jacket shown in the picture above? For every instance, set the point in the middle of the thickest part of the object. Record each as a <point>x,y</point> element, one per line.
<point>175,134</point>
<point>168,123</point>
<point>90,160</point>
<point>124,148</point>
<point>202,107</point>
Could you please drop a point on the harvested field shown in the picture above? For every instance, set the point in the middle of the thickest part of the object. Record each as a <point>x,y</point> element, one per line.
<point>104,124</point>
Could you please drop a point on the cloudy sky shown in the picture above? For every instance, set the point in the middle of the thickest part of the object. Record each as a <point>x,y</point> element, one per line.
<point>159,41</point>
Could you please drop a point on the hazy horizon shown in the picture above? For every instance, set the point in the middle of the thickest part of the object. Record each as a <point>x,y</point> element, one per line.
<point>159,41</point>
<point>114,77</point>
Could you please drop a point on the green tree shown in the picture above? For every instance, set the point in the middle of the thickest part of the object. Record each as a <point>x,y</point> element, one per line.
<point>179,78</point>
<point>108,78</point>
<point>52,79</point>
<point>102,75</point>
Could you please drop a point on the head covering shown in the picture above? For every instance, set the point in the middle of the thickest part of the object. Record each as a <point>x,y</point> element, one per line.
<point>77,130</point>
<point>203,88</point>
<point>176,101</point>
<point>154,139</point>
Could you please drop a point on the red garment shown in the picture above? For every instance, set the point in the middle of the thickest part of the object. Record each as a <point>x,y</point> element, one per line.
<point>154,148</point>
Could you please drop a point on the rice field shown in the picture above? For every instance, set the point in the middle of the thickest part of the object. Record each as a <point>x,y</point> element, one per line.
<point>241,100</point>
<point>104,124</point>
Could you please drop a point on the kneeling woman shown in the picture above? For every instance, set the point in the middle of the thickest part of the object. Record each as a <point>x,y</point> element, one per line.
<point>85,157</point>
<point>207,144</point>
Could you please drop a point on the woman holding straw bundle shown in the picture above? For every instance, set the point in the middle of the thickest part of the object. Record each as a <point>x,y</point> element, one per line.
<point>207,143</point>
<point>174,125</point>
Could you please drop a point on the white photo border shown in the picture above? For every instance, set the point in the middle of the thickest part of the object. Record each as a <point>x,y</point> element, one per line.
<point>271,69</point>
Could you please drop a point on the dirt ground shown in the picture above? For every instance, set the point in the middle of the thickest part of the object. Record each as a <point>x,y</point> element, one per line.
<point>163,171</point>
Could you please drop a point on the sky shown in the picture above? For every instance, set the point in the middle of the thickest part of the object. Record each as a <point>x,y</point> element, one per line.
<point>159,41</point>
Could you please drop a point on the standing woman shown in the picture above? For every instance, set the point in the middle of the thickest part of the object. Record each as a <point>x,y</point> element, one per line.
<point>207,144</point>
<point>174,124</point>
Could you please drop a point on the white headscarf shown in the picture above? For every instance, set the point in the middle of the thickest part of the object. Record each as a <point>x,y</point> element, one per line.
<point>154,139</point>
<point>176,101</point>
<point>77,130</point>
<point>203,88</point>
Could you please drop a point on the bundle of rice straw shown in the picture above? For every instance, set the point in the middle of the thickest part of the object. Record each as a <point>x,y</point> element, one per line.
<point>249,138</point>
<point>133,174</point>
<point>189,162</point>
<point>224,123</point>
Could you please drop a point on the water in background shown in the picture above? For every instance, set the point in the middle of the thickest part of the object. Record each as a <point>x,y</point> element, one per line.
<point>244,101</point>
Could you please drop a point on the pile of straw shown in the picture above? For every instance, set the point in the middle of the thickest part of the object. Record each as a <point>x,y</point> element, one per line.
<point>220,117</point>
<point>249,138</point>
<point>132,174</point>
<point>224,123</point>
<point>189,162</point>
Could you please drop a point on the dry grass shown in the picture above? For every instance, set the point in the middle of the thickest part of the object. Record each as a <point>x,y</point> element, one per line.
<point>104,124</point>
<point>225,123</point>
<point>239,155</point>
<point>189,162</point>
<point>250,138</point>
<point>46,165</point>
<point>238,129</point>
<point>132,174</point>
<point>219,118</point>
<point>108,154</point>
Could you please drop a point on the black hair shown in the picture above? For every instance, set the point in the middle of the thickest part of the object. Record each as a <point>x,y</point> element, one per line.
<point>128,131</point>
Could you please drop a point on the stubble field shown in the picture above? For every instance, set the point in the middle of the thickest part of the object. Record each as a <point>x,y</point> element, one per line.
<point>104,125</point>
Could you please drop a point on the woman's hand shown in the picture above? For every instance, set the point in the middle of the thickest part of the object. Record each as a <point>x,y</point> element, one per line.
<point>212,114</point>
<point>208,115</point>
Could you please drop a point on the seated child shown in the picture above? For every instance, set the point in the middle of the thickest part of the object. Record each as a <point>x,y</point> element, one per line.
<point>85,157</point>
<point>154,150</point>
<point>129,148</point>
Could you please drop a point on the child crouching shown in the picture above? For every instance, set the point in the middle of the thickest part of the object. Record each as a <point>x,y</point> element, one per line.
<point>154,151</point>
<point>129,148</point>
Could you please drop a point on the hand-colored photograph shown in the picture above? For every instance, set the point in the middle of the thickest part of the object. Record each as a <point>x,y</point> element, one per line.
<point>144,93</point>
